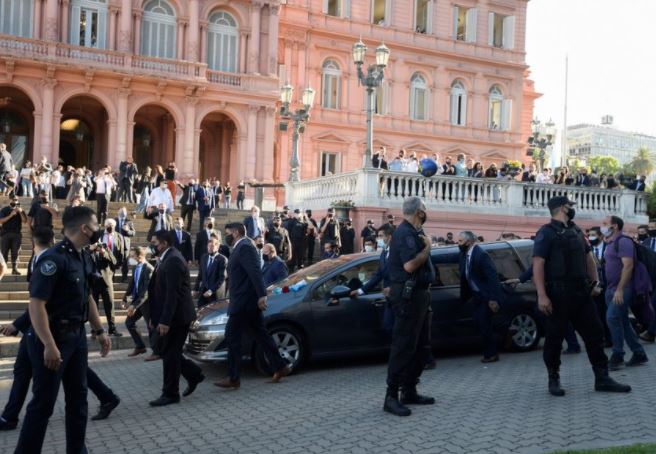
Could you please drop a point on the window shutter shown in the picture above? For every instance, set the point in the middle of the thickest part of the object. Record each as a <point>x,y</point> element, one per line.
<point>509,32</point>
<point>145,37</point>
<point>346,8</point>
<point>454,108</point>
<point>169,51</point>
<point>506,115</point>
<point>455,22</point>
<point>325,6</point>
<point>472,16</point>
<point>463,109</point>
<point>75,25</point>
<point>385,98</point>
<point>412,102</point>
<point>102,28</point>
<point>490,29</point>
<point>232,63</point>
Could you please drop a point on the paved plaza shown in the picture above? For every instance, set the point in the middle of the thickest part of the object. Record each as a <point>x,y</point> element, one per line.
<point>336,407</point>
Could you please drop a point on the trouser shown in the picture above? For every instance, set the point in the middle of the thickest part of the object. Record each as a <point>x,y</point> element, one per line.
<point>131,325</point>
<point>187,215</point>
<point>571,339</point>
<point>254,322</point>
<point>125,191</point>
<point>600,302</point>
<point>72,374</point>
<point>410,338</point>
<point>240,202</point>
<point>28,188</point>
<point>174,363</point>
<point>619,324</point>
<point>575,306</point>
<point>643,311</point>
<point>102,208</point>
<point>204,301</point>
<point>11,241</point>
<point>107,295</point>
<point>202,214</point>
<point>483,320</point>
<point>60,192</point>
<point>311,244</point>
<point>298,253</point>
<point>124,268</point>
<point>226,201</point>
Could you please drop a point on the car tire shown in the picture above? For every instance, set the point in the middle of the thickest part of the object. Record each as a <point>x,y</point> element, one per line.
<point>291,345</point>
<point>523,332</point>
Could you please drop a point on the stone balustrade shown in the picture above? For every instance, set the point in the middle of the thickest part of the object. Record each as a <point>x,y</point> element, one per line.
<point>485,196</point>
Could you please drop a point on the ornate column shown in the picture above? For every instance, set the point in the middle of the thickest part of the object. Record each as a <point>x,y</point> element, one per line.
<point>36,27</point>
<point>193,38</point>
<point>300,76</point>
<point>288,61</point>
<point>125,29</point>
<point>36,135</point>
<point>269,134</point>
<point>236,165</point>
<point>182,23</point>
<point>226,158</point>
<point>65,12</point>
<point>129,135</point>
<point>122,124</point>
<point>137,32</point>
<point>274,17</point>
<point>48,84</point>
<point>188,155</point>
<point>51,20</point>
<point>247,166</point>
<point>254,43</point>
<point>203,42</point>
<point>196,169</point>
<point>243,38</point>
<point>56,123</point>
<point>113,13</point>
<point>113,158</point>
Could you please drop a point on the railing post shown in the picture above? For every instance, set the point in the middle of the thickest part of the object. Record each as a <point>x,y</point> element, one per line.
<point>515,197</point>
<point>367,188</point>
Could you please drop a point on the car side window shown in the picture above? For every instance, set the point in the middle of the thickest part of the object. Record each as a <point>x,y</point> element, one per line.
<point>447,270</point>
<point>353,278</point>
<point>506,262</point>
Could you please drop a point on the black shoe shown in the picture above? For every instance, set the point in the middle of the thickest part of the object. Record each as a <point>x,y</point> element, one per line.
<point>431,365</point>
<point>554,384</point>
<point>8,425</point>
<point>113,332</point>
<point>191,385</point>
<point>164,400</point>
<point>392,405</point>
<point>570,351</point>
<point>637,359</point>
<point>15,272</point>
<point>616,362</point>
<point>604,383</point>
<point>648,337</point>
<point>105,409</point>
<point>411,397</point>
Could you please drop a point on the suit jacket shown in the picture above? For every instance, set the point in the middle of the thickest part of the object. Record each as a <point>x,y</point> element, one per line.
<point>274,271</point>
<point>127,231</point>
<point>184,247</point>
<point>249,223</point>
<point>483,273</point>
<point>245,281</point>
<point>169,293</point>
<point>582,180</point>
<point>186,190</point>
<point>205,206</point>
<point>638,186</point>
<point>142,288</point>
<point>214,278</point>
<point>381,274</point>
<point>118,248</point>
<point>6,163</point>
<point>127,171</point>
<point>168,223</point>
<point>200,248</point>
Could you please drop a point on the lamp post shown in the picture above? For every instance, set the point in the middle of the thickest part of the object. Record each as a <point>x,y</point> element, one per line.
<point>541,139</point>
<point>372,79</point>
<point>299,118</point>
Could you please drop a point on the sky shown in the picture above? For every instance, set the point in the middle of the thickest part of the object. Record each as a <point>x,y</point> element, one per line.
<point>611,46</point>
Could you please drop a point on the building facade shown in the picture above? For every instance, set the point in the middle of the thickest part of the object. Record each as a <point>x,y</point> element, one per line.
<point>89,82</point>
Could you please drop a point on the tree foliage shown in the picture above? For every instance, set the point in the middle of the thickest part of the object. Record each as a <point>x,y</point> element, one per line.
<point>604,164</point>
<point>642,163</point>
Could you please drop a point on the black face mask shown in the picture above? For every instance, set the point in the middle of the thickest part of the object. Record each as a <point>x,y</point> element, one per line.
<point>463,247</point>
<point>652,232</point>
<point>266,258</point>
<point>229,239</point>
<point>95,236</point>
<point>13,205</point>
<point>595,241</point>
<point>276,224</point>
<point>571,213</point>
<point>154,251</point>
<point>110,229</point>
<point>422,217</point>
<point>161,211</point>
<point>642,236</point>
<point>259,245</point>
<point>210,226</point>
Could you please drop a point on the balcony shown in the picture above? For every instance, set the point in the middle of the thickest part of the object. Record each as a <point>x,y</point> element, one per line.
<point>373,188</point>
<point>61,53</point>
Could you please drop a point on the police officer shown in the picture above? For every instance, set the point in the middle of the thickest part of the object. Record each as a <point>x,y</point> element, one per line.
<point>313,231</point>
<point>57,344</point>
<point>347,236</point>
<point>368,232</point>
<point>297,233</point>
<point>565,276</point>
<point>279,237</point>
<point>329,229</point>
<point>411,273</point>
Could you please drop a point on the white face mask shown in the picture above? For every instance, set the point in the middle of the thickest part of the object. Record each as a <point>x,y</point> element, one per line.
<point>593,237</point>
<point>368,249</point>
<point>380,242</point>
<point>606,231</point>
<point>132,262</point>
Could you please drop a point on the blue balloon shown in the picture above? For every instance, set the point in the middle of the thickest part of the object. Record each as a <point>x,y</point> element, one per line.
<point>427,167</point>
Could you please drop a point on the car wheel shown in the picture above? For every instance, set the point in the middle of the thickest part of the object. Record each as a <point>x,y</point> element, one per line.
<point>524,332</point>
<point>291,346</point>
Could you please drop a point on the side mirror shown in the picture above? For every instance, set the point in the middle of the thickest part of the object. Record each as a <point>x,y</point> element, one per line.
<point>340,291</point>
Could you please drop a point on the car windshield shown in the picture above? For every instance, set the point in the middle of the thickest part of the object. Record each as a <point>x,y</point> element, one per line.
<point>312,272</point>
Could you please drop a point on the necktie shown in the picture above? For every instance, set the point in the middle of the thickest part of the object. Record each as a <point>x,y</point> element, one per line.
<point>110,242</point>
<point>653,244</point>
<point>160,223</point>
<point>209,262</point>
<point>137,273</point>
<point>180,236</point>
<point>191,196</point>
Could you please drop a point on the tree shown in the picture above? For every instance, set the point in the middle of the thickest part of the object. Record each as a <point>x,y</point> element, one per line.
<point>651,202</point>
<point>642,163</point>
<point>604,164</point>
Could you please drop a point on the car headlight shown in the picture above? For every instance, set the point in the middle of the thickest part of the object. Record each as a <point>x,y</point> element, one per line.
<point>220,319</point>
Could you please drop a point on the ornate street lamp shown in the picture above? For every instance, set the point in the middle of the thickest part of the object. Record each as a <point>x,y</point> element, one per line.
<point>541,139</point>
<point>299,118</point>
<point>371,80</point>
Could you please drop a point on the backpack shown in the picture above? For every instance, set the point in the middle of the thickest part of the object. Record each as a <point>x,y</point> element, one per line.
<point>645,258</point>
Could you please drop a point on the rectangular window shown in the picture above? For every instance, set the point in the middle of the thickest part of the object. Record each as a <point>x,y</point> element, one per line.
<point>422,16</point>
<point>464,23</point>
<point>334,8</point>
<point>88,26</point>
<point>495,113</point>
<point>16,17</point>
<point>330,96</point>
<point>378,12</point>
<point>501,31</point>
<point>418,106</point>
<point>329,163</point>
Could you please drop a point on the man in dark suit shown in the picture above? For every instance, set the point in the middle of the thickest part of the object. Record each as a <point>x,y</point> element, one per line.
<point>210,283</point>
<point>254,224</point>
<point>171,311</point>
<point>248,299</point>
<point>125,228</point>
<point>188,202</point>
<point>205,200</point>
<point>639,184</point>
<point>135,299</point>
<point>183,241</point>
<point>203,237</point>
<point>582,179</point>
<point>274,269</point>
<point>108,258</point>
<point>127,173</point>
<point>479,281</point>
<point>160,220</point>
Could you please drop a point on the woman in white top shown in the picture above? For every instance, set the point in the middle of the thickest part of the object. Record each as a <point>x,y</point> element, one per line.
<point>27,180</point>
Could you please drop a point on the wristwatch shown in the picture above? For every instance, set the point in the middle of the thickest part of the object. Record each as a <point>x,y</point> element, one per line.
<point>97,332</point>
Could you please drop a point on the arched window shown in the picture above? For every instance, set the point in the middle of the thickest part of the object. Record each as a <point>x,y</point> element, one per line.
<point>89,23</point>
<point>158,30</point>
<point>331,85</point>
<point>222,42</point>
<point>16,17</point>
<point>500,110</point>
<point>458,104</point>
<point>418,97</point>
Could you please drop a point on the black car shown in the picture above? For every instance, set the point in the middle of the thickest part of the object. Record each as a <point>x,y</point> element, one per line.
<point>307,321</point>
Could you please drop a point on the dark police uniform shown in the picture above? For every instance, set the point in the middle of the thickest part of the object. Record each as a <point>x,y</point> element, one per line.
<point>347,238</point>
<point>61,279</point>
<point>410,335</point>
<point>297,235</point>
<point>565,249</point>
<point>278,237</point>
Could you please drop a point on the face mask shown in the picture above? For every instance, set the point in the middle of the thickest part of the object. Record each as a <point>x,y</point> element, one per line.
<point>606,231</point>
<point>348,224</point>
<point>422,217</point>
<point>380,243</point>
<point>642,237</point>
<point>13,205</point>
<point>259,245</point>
<point>276,224</point>
<point>161,211</point>
<point>210,226</point>
<point>368,249</point>
<point>266,258</point>
<point>162,187</point>
<point>154,250</point>
<point>95,236</point>
<point>571,213</point>
<point>110,229</point>
<point>652,232</point>
<point>594,240</point>
<point>463,247</point>
<point>132,262</point>
<point>229,239</point>
<point>178,227</point>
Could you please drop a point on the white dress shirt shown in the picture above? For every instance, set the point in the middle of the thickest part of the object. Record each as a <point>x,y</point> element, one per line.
<point>159,195</point>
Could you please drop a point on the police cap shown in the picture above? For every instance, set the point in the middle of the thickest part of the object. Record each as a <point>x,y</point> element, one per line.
<point>558,201</point>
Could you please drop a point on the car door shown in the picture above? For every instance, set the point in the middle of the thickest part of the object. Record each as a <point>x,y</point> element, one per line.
<point>348,323</point>
<point>451,317</point>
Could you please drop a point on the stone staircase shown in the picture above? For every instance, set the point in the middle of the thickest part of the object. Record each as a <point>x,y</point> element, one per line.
<point>14,296</point>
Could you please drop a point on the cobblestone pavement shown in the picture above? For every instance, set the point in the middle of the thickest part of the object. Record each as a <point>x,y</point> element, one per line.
<point>336,407</point>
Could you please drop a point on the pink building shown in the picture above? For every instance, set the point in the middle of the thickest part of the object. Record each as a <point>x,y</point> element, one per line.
<point>197,82</point>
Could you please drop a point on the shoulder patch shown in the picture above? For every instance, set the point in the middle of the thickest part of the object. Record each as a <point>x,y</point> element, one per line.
<point>48,268</point>
<point>410,242</point>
